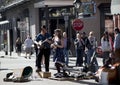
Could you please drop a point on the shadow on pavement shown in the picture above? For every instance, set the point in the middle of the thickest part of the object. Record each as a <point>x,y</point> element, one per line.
<point>86,82</point>
<point>1,69</point>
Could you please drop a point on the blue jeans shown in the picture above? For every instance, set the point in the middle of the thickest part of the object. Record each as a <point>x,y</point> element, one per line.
<point>65,51</point>
<point>89,55</point>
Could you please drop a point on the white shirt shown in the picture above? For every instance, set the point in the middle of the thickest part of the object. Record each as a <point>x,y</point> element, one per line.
<point>28,42</point>
<point>105,45</point>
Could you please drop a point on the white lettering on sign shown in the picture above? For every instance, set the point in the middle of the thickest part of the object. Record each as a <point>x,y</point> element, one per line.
<point>77,24</point>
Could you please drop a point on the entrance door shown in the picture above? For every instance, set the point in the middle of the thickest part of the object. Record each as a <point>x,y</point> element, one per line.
<point>56,24</point>
<point>53,25</point>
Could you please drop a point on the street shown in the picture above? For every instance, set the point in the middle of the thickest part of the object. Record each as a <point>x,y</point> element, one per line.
<point>10,63</point>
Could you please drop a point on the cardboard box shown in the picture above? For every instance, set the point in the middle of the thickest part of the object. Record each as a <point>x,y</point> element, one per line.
<point>45,74</point>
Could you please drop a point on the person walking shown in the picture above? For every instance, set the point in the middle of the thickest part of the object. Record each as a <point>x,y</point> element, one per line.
<point>79,46</point>
<point>18,45</point>
<point>28,46</point>
<point>44,41</point>
<point>67,44</point>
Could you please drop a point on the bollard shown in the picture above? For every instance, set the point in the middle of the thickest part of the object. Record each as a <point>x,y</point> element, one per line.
<point>6,53</point>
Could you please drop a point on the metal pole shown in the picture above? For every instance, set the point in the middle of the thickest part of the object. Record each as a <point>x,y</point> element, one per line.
<point>47,17</point>
<point>66,17</point>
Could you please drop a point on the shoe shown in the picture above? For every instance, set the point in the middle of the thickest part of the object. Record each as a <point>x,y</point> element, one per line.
<point>59,75</point>
<point>29,57</point>
<point>38,70</point>
<point>65,75</point>
<point>26,57</point>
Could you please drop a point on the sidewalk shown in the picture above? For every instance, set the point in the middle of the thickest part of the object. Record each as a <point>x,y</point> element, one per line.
<point>8,63</point>
<point>10,55</point>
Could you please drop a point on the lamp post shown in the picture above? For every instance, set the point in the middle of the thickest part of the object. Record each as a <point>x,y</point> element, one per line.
<point>77,4</point>
<point>66,18</point>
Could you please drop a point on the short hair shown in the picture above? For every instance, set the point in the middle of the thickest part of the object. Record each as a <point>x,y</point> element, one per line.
<point>84,33</point>
<point>43,27</point>
<point>117,30</point>
<point>105,32</point>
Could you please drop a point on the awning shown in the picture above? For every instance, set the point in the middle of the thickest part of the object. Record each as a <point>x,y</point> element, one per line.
<point>53,3</point>
<point>5,25</point>
<point>4,22</point>
<point>115,7</point>
<point>15,3</point>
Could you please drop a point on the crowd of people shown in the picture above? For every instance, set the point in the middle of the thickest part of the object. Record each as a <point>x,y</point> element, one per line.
<point>59,43</point>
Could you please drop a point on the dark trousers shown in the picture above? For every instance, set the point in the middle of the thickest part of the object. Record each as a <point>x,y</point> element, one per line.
<point>36,51</point>
<point>105,56</point>
<point>79,54</point>
<point>46,53</point>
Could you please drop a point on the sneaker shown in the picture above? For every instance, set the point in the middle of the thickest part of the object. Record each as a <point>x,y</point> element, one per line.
<point>26,57</point>
<point>59,75</point>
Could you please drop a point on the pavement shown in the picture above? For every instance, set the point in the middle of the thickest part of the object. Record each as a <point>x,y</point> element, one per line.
<point>10,63</point>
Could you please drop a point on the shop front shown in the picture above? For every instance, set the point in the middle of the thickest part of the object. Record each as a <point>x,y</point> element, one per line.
<point>51,14</point>
<point>57,19</point>
<point>61,13</point>
<point>6,36</point>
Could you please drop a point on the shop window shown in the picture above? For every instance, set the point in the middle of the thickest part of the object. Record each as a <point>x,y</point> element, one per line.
<point>57,12</point>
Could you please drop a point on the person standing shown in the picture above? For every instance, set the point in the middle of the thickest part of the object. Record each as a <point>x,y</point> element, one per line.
<point>44,41</point>
<point>93,43</point>
<point>79,46</point>
<point>87,48</point>
<point>92,39</point>
<point>58,46</point>
<point>105,46</point>
<point>117,39</point>
<point>67,44</point>
<point>117,42</point>
<point>18,46</point>
<point>28,46</point>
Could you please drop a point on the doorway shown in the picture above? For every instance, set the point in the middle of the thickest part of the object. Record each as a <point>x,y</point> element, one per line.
<point>56,24</point>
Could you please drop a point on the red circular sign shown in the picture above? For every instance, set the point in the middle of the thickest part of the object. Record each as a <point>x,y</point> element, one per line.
<point>78,24</point>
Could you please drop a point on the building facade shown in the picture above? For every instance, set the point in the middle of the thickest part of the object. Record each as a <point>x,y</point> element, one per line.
<point>28,16</point>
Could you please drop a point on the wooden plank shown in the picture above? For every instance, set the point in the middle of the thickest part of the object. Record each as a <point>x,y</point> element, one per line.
<point>44,74</point>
